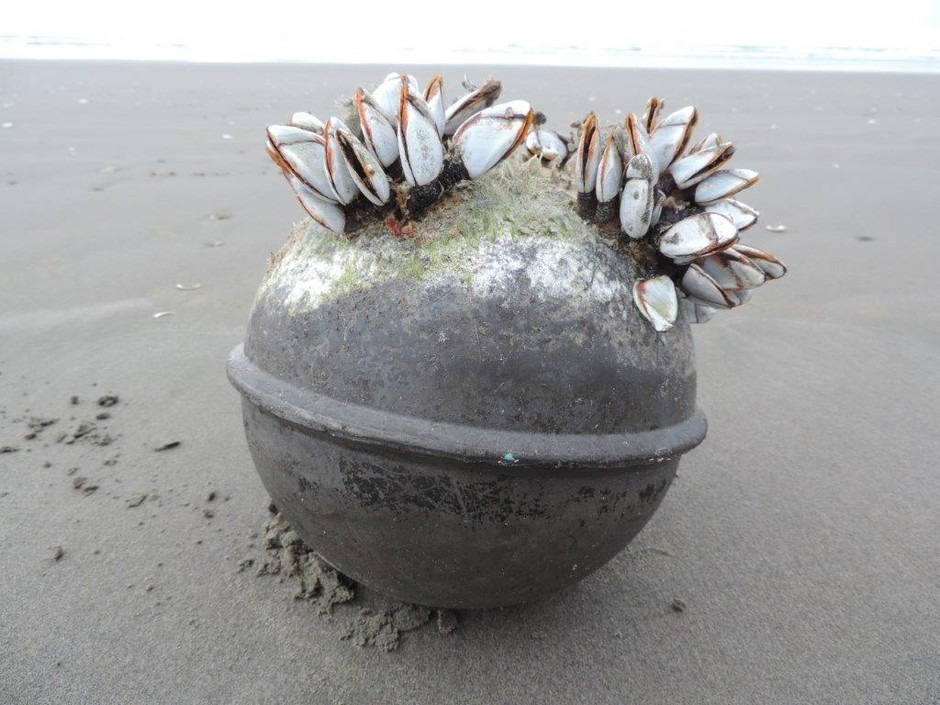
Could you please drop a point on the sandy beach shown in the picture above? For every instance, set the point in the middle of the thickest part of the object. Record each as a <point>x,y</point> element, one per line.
<point>796,558</point>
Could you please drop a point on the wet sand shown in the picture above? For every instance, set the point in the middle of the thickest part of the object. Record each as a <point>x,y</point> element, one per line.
<point>795,559</point>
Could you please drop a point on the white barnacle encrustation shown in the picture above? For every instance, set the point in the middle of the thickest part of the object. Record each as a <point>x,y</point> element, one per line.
<point>677,206</point>
<point>674,206</point>
<point>406,150</point>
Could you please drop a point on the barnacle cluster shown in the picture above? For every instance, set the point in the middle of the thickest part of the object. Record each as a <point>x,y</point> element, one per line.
<point>676,209</point>
<point>404,149</point>
<point>672,206</point>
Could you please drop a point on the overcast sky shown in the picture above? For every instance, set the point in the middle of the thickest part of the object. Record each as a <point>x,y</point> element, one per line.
<point>362,31</point>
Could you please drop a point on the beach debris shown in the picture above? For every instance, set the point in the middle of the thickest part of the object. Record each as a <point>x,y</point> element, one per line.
<point>86,432</point>
<point>37,424</point>
<point>167,445</point>
<point>9,449</point>
<point>7,124</point>
<point>57,554</point>
<point>162,314</point>
<point>227,136</point>
<point>677,605</point>
<point>83,101</point>
<point>108,400</point>
<point>775,228</point>
<point>220,215</point>
<point>189,287</point>
<point>137,499</point>
<point>84,484</point>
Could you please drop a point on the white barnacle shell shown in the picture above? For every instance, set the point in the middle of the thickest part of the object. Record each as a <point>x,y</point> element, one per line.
<point>696,236</point>
<point>695,311</point>
<point>659,200</point>
<point>724,183</point>
<point>473,102</point>
<point>739,296</point>
<point>434,97</point>
<point>609,171</point>
<point>732,270</point>
<point>638,200</point>
<point>378,131</point>
<point>770,265</point>
<point>588,155</point>
<point>657,300</point>
<point>491,135</point>
<point>671,135</point>
<point>301,153</point>
<point>337,171</point>
<point>650,119</point>
<point>702,288</point>
<point>546,144</point>
<point>419,144</point>
<point>387,94</point>
<point>364,167</point>
<point>329,214</point>
<point>639,141</point>
<point>694,168</point>
<point>624,143</point>
<point>709,141</point>
<point>743,216</point>
<point>306,121</point>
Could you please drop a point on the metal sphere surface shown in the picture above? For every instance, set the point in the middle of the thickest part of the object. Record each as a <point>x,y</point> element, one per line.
<point>474,416</point>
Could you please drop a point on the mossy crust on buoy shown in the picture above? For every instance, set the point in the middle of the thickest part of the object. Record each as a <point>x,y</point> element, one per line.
<point>516,200</point>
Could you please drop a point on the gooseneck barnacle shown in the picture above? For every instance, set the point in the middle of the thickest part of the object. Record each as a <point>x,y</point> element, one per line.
<point>403,151</point>
<point>671,206</point>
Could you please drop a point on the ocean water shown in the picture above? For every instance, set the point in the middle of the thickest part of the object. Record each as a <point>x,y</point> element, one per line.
<point>710,56</point>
